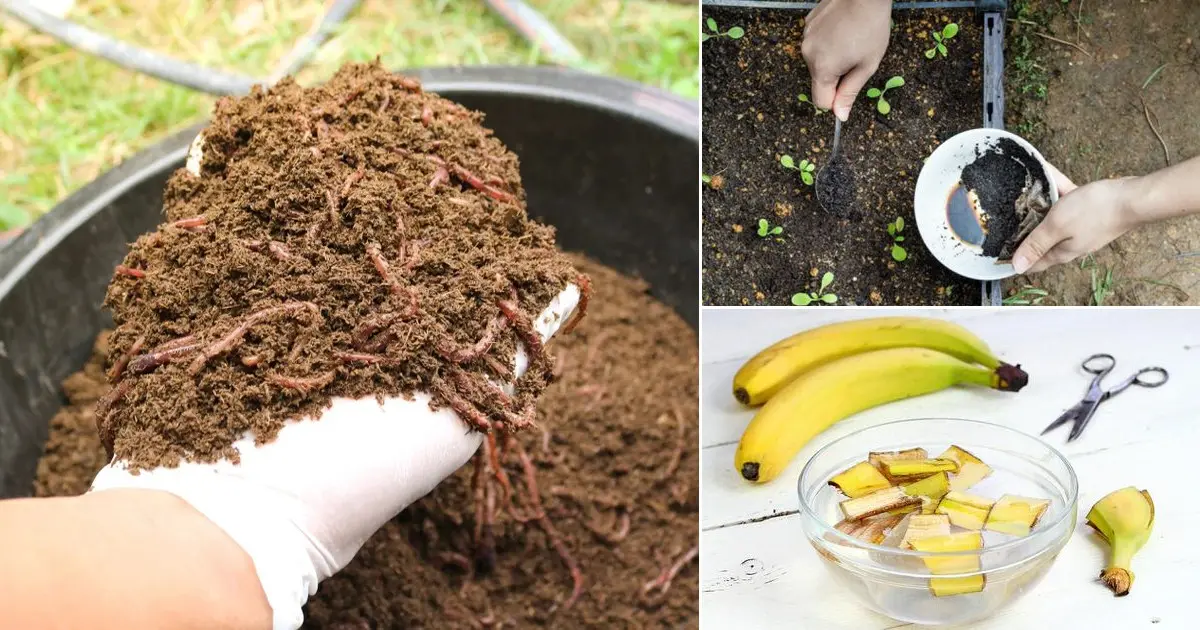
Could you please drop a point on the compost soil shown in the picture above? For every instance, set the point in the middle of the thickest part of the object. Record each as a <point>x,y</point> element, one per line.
<point>360,238</point>
<point>752,117</point>
<point>1005,178</point>
<point>617,441</point>
<point>1089,115</point>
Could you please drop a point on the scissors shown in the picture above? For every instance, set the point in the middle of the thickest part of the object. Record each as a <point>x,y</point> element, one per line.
<point>1101,365</point>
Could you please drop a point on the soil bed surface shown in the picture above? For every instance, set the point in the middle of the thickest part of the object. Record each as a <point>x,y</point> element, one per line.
<point>752,117</point>
<point>1088,114</point>
<point>624,406</point>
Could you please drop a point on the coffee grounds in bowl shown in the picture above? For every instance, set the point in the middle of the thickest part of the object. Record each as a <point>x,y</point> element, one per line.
<point>359,238</point>
<point>1013,191</point>
<point>618,447</point>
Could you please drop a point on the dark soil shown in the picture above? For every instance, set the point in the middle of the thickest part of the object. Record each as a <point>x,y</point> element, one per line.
<point>360,238</point>
<point>1088,114</point>
<point>618,442</point>
<point>752,116</point>
<point>1001,177</point>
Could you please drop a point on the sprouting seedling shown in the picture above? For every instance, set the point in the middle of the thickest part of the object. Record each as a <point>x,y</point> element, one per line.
<point>735,32</point>
<point>804,299</point>
<point>882,105</point>
<point>805,167</point>
<point>940,38</point>
<point>803,98</point>
<point>707,179</point>
<point>895,228</point>
<point>1027,296</point>
<point>765,229</point>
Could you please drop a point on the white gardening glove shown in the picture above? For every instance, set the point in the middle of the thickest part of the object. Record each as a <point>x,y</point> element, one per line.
<point>302,505</point>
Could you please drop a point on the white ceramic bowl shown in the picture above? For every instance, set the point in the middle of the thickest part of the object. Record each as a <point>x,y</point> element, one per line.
<point>939,177</point>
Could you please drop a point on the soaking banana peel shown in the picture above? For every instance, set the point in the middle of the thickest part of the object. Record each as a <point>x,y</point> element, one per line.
<point>818,398</point>
<point>1124,519</point>
<point>771,370</point>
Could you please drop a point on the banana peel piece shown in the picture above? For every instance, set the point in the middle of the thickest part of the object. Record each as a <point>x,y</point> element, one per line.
<point>933,487</point>
<point>1016,515</point>
<point>877,502</point>
<point>965,510</point>
<point>925,526</point>
<point>948,565</point>
<point>872,530</point>
<point>1124,519</point>
<point>860,480</point>
<point>971,469</point>
<point>918,468</point>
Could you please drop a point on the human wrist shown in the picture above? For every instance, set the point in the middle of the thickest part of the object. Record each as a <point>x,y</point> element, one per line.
<point>1137,201</point>
<point>250,518</point>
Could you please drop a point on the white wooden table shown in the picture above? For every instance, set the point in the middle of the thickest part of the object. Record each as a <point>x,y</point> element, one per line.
<point>757,570</point>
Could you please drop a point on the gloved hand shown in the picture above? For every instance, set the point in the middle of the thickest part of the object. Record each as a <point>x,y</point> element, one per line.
<point>303,505</point>
<point>844,41</point>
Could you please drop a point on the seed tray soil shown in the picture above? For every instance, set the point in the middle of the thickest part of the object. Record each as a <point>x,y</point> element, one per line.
<point>611,427</point>
<point>752,117</point>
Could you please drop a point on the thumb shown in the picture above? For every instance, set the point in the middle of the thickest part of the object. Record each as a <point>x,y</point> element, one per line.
<point>847,91</point>
<point>1039,242</point>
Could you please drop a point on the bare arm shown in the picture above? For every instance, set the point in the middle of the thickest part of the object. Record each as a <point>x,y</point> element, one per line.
<point>1172,192</point>
<point>1093,215</point>
<point>122,559</point>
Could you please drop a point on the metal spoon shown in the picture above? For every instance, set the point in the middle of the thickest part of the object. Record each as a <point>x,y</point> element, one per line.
<point>822,183</point>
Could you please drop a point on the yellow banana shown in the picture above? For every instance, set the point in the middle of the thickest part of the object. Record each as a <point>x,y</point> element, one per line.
<point>1124,519</point>
<point>773,368</point>
<point>817,399</point>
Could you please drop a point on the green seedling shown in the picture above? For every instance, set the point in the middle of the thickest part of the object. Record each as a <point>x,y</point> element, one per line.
<point>803,98</point>
<point>1102,279</point>
<point>882,105</point>
<point>805,168</point>
<point>819,296</point>
<point>940,38</point>
<point>1027,296</point>
<point>765,229</point>
<point>707,179</point>
<point>895,228</point>
<point>735,32</point>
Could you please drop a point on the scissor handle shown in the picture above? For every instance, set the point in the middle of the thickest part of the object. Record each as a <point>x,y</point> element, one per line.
<point>1100,364</point>
<point>1139,377</point>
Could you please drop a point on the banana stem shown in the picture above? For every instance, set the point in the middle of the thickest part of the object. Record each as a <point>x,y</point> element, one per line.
<point>1118,576</point>
<point>983,377</point>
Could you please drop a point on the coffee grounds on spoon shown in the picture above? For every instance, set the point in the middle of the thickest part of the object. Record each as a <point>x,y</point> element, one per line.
<point>360,238</point>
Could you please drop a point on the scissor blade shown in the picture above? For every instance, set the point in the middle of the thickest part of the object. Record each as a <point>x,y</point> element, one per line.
<point>1067,416</point>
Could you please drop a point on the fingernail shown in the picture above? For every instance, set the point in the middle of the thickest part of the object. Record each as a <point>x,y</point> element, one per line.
<point>842,112</point>
<point>1020,263</point>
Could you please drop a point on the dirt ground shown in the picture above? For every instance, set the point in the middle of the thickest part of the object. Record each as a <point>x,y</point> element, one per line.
<point>752,118</point>
<point>1092,125</point>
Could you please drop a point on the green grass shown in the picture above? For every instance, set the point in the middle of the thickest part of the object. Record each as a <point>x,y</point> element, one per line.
<point>66,117</point>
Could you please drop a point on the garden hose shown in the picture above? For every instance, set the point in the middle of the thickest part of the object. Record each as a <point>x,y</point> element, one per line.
<point>194,76</point>
<point>537,30</point>
<point>128,56</point>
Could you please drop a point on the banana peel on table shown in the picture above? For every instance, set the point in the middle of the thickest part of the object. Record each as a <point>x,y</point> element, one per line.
<point>1124,519</point>
<point>824,395</point>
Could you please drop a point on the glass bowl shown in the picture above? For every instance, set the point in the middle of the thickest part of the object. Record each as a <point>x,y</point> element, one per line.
<point>895,582</point>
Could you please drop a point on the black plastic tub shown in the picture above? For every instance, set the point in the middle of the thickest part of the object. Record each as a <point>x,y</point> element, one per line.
<point>611,164</point>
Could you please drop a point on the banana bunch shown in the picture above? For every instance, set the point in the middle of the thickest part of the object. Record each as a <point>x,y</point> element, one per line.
<point>815,378</point>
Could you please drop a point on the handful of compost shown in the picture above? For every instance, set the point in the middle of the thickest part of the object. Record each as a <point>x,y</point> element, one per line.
<point>334,317</point>
<point>1012,192</point>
